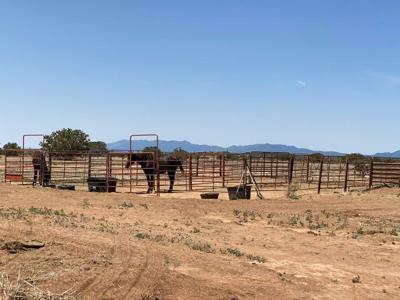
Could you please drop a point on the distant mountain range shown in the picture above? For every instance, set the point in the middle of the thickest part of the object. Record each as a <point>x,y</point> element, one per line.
<point>395,154</point>
<point>169,146</point>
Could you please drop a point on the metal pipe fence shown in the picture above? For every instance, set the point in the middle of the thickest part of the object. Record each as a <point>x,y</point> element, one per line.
<point>203,171</point>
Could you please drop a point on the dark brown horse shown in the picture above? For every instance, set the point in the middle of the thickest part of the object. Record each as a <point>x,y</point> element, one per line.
<point>40,168</point>
<point>167,164</point>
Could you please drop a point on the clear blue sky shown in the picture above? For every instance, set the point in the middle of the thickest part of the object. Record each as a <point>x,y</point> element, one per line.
<point>317,74</point>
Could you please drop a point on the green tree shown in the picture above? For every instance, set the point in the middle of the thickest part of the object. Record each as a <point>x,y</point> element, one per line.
<point>352,157</point>
<point>98,146</point>
<point>316,157</point>
<point>360,162</point>
<point>66,139</point>
<point>180,153</point>
<point>152,149</point>
<point>9,147</point>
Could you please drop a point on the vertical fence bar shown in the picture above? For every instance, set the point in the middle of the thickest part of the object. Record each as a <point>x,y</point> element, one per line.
<point>213,171</point>
<point>290,169</point>
<point>321,166</point>
<point>329,171</point>
<point>5,167</point>
<point>197,165</point>
<point>223,170</point>
<point>272,169</point>
<point>308,169</point>
<point>371,173</point>
<point>42,163</point>
<point>90,165</point>
<point>346,176</point>
<point>107,171</point>
<point>220,165</point>
<point>190,174</point>
<point>263,170</point>
<point>64,170</point>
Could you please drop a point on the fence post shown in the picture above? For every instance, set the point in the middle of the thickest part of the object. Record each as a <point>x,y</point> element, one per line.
<point>220,165</point>
<point>41,172</point>
<point>90,165</point>
<point>346,175</point>
<point>157,156</point>
<point>5,166</point>
<point>50,166</point>
<point>190,174</point>
<point>197,164</point>
<point>308,169</point>
<point>321,166</point>
<point>223,170</point>
<point>290,169</point>
<point>371,173</point>
<point>107,171</point>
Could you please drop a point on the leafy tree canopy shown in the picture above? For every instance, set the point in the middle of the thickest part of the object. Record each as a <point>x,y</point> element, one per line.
<point>97,146</point>
<point>355,157</point>
<point>180,153</point>
<point>152,149</point>
<point>10,146</point>
<point>66,139</point>
<point>316,157</point>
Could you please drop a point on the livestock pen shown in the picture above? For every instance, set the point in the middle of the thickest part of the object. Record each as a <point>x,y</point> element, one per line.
<point>208,171</point>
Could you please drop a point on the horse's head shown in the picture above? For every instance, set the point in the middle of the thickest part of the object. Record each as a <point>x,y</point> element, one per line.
<point>137,157</point>
<point>131,160</point>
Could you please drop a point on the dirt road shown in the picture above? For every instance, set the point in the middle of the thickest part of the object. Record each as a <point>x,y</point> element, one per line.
<point>123,246</point>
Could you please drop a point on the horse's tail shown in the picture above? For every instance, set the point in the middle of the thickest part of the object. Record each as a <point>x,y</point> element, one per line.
<point>180,166</point>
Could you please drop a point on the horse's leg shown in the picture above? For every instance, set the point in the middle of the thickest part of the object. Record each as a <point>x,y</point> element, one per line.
<point>148,179</point>
<point>35,174</point>
<point>171,175</point>
<point>152,182</point>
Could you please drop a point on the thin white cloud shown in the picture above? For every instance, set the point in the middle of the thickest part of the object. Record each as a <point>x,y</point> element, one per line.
<point>392,81</point>
<point>301,83</point>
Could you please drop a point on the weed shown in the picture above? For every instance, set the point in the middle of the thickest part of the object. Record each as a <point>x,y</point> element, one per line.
<point>291,192</point>
<point>203,247</point>
<point>22,287</point>
<point>86,203</point>
<point>294,220</point>
<point>331,233</point>
<point>195,230</point>
<point>258,258</point>
<point>234,251</point>
<point>143,236</point>
<point>125,205</point>
<point>144,205</point>
<point>237,212</point>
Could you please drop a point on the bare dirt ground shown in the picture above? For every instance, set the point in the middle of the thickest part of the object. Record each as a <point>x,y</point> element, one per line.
<point>83,245</point>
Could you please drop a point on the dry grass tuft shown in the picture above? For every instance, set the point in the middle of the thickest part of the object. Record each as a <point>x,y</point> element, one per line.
<point>20,288</point>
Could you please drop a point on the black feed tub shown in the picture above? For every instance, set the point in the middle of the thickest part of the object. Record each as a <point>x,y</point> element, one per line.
<point>239,192</point>
<point>210,195</point>
<point>99,184</point>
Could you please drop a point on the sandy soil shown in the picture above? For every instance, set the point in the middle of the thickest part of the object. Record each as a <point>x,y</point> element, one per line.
<point>124,246</point>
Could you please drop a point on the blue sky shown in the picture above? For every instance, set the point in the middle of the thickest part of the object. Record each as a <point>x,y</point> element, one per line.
<point>317,74</point>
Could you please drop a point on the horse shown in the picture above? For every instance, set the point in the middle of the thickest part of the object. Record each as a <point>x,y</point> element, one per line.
<point>37,160</point>
<point>167,164</point>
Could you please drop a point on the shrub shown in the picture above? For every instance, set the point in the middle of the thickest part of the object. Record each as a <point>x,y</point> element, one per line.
<point>66,139</point>
<point>98,146</point>
<point>9,147</point>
